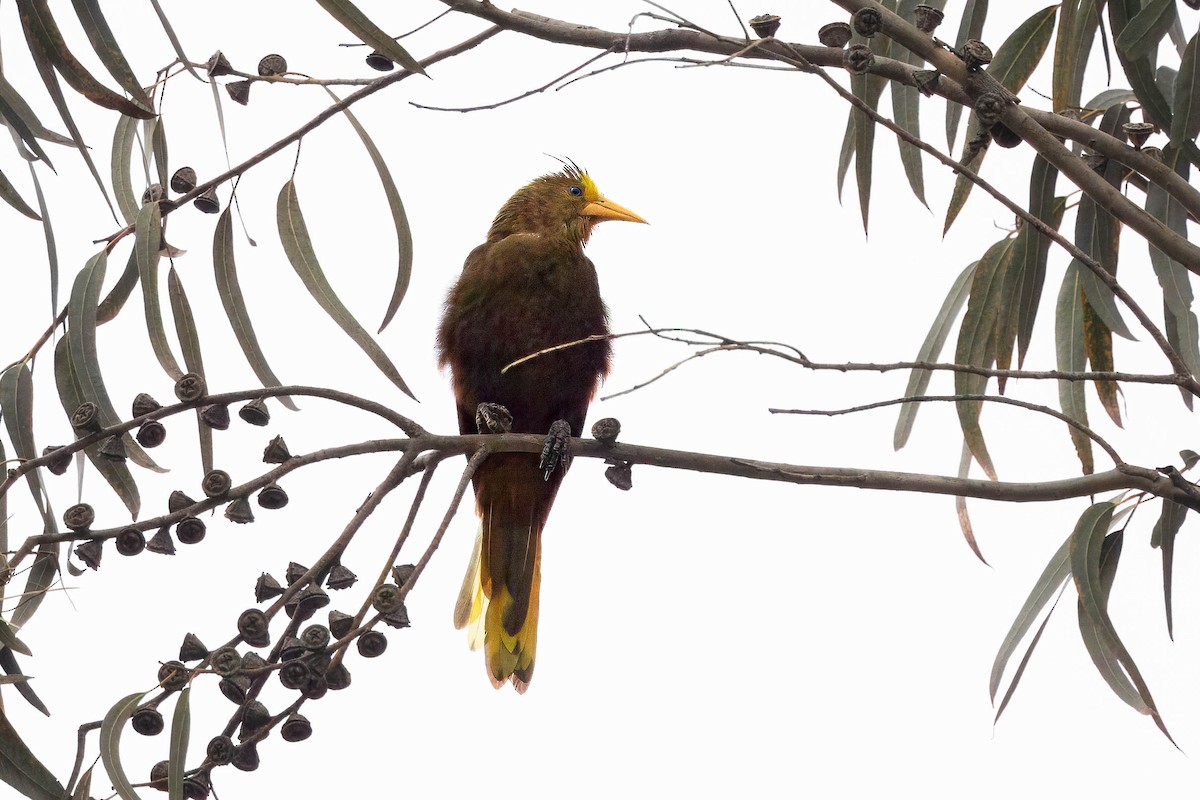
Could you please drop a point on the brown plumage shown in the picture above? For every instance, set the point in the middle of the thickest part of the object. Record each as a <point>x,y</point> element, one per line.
<point>527,287</point>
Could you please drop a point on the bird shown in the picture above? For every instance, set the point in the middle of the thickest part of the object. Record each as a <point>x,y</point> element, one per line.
<point>528,287</point>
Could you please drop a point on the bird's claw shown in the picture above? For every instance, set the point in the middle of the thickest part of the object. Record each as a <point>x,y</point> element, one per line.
<point>492,418</point>
<point>554,451</point>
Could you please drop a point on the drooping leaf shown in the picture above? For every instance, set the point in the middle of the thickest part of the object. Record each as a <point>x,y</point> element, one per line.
<point>158,148</point>
<point>8,662</point>
<point>371,34</point>
<point>1170,520</point>
<point>189,341</point>
<point>1147,28</point>
<point>167,29</point>
<point>1138,70</point>
<point>1057,570</point>
<point>1033,249</point>
<point>1024,662</point>
<point>20,117</point>
<point>1190,458</point>
<point>114,301</point>
<point>16,406</point>
<point>122,156</point>
<point>109,52</point>
<point>181,726</point>
<point>1071,356</point>
<point>960,506</point>
<point>9,639</point>
<point>1109,98</point>
<point>970,27</point>
<point>1012,65</point>
<point>845,155</point>
<point>230,290</point>
<point>1097,343</point>
<point>43,35</point>
<point>1116,665</point>
<point>977,344</point>
<point>83,791</point>
<point>147,244</point>
<point>404,245</point>
<point>1072,46</point>
<point>21,769</point>
<point>110,743</point>
<point>931,348</point>
<point>1181,329</point>
<point>298,246</point>
<point>10,195</point>
<point>1105,660</point>
<point>48,234</point>
<point>1185,112</point>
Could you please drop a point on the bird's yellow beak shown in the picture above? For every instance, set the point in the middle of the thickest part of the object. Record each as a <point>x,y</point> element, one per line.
<point>603,208</point>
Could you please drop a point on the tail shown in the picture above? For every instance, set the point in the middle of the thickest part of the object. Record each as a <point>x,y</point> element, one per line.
<point>498,603</point>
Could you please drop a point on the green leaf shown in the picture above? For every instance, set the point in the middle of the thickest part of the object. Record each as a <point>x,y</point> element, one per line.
<point>10,195</point>
<point>404,245</point>
<point>8,638</point>
<point>931,348</point>
<point>1109,98</point>
<point>1072,357</point>
<point>906,109</point>
<point>20,768</point>
<point>1097,342</point>
<point>1141,36</point>
<point>1182,329</point>
<point>8,661</point>
<point>977,344</point>
<point>1190,458</point>
<point>1057,570</point>
<point>1102,656</point>
<point>158,148</point>
<point>48,234</point>
<point>1185,114</point>
<point>1072,46</point>
<point>41,577</point>
<point>20,117</point>
<point>1170,520</point>
<point>371,34</point>
<point>109,52</point>
<point>16,406</point>
<point>84,790</point>
<point>225,270</point>
<point>122,156</point>
<point>1033,249</point>
<point>110,743</point>
<point>183,58</point>
<point>1112,659</point>
<point>189,340</point>
<point>147,244</point>
<point>1139,71</point>
<point>845,154</point>
<point>114,301</point>
<point>1012,65</point>
<point>181,725</point>
<point>971,27</point>
<point>43,35</point>
<point>298,246</point>
<point>960,506</point>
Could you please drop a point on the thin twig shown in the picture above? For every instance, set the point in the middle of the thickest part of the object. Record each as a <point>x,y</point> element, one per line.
<point>521,96</point>
<point>1079,426</point>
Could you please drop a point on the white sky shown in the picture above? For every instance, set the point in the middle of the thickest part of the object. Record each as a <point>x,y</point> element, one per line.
<point>699,636</point>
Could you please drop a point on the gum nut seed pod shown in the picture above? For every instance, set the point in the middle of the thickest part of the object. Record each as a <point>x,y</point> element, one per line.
<point>184,180</point>
<point>338,677</point>
<point>192,648</point>
<point>60,463</point>
<point>294,572</point>
<point>340,578</point>
<point>197,786</point>
<point>988,108</point>
<point>378,61</point>
<point>216,416</point>
<point>397,618</point>
<point>291,648</point>
<point>858,58</point>
<point>86,418</point>
<point>190,530</point>
<point>387,598</point>
<point>208,202</point>
<point>245,758</point>
<point>226,661</point>
<point>219,65</point>
<point>151,434</point>
<point>153,193</point>
<point>113,449</point>
<point>179,501</point>
<point>1138,133</point>
<point>276,451</point>
<point>606,430</point>
<point>316,688</point>
<point>190,387</point>
<point>266,587</point>
<point>1004,135</point>
<point>89,552</point>
<point>239,92</point>
<point>868,22</point>
<point>976,54</point>
<point>294,675</point>
<point>620,475</point>
<point>216,483</point>
<point>371,644</point>
<point>254,715</point>
<point>239,511</point>
<point>79,517</point>
<point>309,601</point>
<point>147,721</point>
<point>274,64</point>
<point>252,662</point>
<point>220,749</point>
<point>173,676</point>
<point>765,25</point>
<point>835,34</point>
<point>158,775</point>
<point>272,497</point>
<point>255,412</point>
<point>296,728</point>
<point>315,637</point>
<point>252,623</point>
<point>340,623</point>
<point>130,542</point>
<point>402,572</point>
<point>927,18</point>
<point>162,543</point>
<point>235,689</point>
<point>145,404</point>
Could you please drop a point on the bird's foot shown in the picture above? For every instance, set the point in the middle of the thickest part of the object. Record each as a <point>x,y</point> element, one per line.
<point>554,451</point>
<point>493,418</point>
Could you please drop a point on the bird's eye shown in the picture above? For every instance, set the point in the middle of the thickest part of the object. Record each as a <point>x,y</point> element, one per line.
<point>575,190</point>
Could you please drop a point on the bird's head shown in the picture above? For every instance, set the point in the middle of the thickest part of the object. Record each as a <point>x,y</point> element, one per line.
<point>562,203</point>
